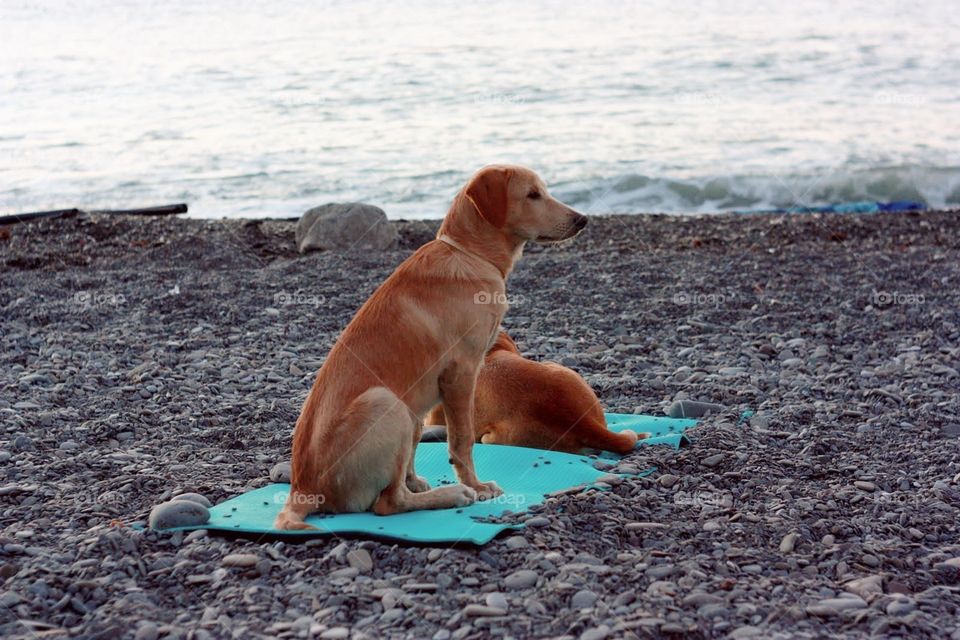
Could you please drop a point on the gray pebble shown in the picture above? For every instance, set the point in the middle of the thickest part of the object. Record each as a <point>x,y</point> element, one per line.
<point>280,472</point>
<point>147,631</point>
<point>360,560</point>
<point>481,610</point>
<point>497,600</point>
<point>194,497</point>
<point>667,480</point>
<point>900,606</point>
<point>583,599</point>
<point>516,542</point>
<point>178,513</point>
<point>788,542</point>
<point>713,460</point>
<point>596,633</point>
<point>692,409</point>
<point>522,579</point>
<point>240,560</point>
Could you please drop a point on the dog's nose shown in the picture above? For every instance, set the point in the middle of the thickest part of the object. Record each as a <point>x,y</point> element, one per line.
<point>580,222</point>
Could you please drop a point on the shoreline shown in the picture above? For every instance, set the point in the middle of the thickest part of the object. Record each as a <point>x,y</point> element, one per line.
<point>147,357</point>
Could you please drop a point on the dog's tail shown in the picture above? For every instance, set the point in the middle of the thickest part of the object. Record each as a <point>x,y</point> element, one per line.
<point>621,442</point>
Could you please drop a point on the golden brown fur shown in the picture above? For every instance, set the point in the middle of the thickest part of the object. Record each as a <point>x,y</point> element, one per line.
<point>419,340</point>
<point>542,405</point>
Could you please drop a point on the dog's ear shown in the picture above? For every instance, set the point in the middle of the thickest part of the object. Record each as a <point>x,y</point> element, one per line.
<point>488,193</point>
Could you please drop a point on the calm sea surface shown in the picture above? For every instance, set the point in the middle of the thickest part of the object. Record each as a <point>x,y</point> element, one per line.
<point>267,108</point>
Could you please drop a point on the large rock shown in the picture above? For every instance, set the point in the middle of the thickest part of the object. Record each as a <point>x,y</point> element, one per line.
<point>349,225</point>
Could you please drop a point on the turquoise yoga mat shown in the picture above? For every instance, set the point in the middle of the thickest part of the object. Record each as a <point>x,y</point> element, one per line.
<point>525,475</point>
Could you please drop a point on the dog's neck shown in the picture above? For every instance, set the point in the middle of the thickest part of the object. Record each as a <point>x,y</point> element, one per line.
<point>456,245</point>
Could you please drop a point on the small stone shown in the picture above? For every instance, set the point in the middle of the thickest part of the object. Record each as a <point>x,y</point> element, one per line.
<point>68,445</point>
<point>692,409</point>
<point>789,542</point>
<point>596,633</point>
<point>870,560</point>
<point>147,631</point>
<point>434,434</point>
<point>194,497</point>
<point>10,599</point>
<point>868,587</point>
<point>645,526</point>
<point>336,633</point>
<point>897,587</point>
<point>537,521</point>
<point>196,534</point>
<point>667,480</point>
<point>900,606</point>
<point>482,610</point>
<point>835,606</point>
<point>516,542</point>
<point>280,472</point>
<point>178,513</point>
<point>948,571</point>
<point>360,560</point>
<point>865,486</point>
<point>240,560</point>
<point>583,599</point>
<point>522,579</point>
<point>497,600</point>
<point>713,460</point>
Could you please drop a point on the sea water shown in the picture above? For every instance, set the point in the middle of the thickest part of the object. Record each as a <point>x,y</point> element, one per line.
<point>253,109</point>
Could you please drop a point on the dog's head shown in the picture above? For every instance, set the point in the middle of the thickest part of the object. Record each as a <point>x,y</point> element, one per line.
<point>516,201</point>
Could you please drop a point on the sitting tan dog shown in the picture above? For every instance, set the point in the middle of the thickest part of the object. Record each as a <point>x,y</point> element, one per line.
<point>420,339</point>
<point>542,405</point>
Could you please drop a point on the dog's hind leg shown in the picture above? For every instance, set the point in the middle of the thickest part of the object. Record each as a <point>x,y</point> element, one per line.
<point>416,484</point>
<point>409,492</point>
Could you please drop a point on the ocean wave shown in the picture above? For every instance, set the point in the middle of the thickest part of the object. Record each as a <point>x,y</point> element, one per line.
<point>934,187</point>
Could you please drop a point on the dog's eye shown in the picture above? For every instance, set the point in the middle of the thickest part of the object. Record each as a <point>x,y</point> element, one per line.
<point>534,195</point>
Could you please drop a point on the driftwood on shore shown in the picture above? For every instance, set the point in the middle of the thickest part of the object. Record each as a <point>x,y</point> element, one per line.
<point>163,210</point>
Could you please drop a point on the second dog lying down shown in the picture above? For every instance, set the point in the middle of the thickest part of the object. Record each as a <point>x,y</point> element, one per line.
<point>542,405</point>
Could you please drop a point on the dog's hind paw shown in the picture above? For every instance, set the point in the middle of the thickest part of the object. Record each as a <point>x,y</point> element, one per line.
<point>418,484</point>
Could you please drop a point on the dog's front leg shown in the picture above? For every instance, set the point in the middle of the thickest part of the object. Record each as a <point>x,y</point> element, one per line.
<point>457,387</point>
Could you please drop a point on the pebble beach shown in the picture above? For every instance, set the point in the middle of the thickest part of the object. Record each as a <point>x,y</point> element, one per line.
<point>145,358</point>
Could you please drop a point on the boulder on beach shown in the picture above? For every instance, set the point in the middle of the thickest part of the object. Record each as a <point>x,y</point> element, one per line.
<point>348,225</point>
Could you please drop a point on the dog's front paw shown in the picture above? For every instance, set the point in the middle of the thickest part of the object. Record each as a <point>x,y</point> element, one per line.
<point>418,484</point>
<point>488,491</point>
<point>464,496</point>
